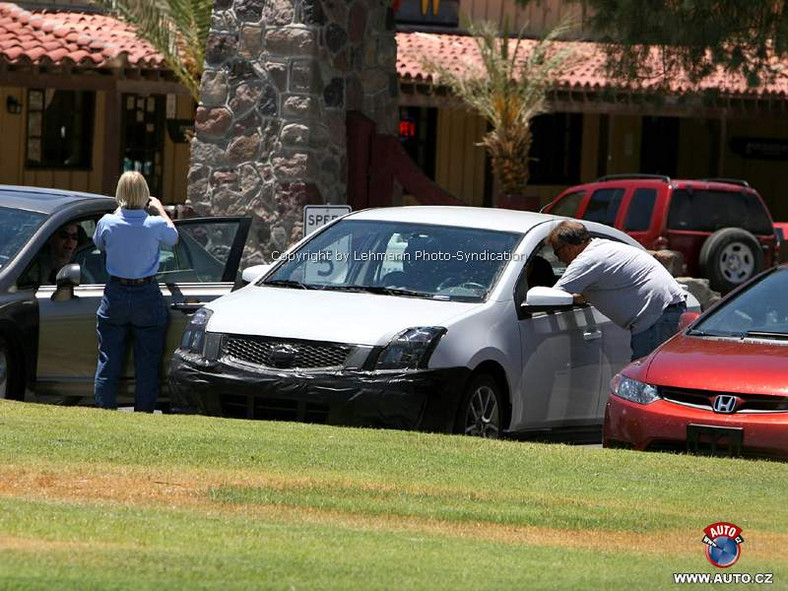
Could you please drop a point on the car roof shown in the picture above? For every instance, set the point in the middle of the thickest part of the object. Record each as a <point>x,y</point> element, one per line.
<point>486,218</point>
<point>649,181</point>
<point>44,200</point>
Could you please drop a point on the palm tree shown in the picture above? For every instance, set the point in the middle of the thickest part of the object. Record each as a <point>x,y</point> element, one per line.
<point>509,90</point>
<point>178,29</point>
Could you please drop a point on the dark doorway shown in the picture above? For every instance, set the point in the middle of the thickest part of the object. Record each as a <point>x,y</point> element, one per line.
<point>418,128</point>
<point>555,149</point>
<point>143,137</point>
<point>659,146</point>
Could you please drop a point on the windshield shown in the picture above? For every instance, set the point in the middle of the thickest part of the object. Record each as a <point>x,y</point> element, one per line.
<point>417,260</point>
<point>16,228</point>
<point>761,311</point>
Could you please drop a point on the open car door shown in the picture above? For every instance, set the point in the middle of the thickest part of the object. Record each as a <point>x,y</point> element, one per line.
<point>200,268</point>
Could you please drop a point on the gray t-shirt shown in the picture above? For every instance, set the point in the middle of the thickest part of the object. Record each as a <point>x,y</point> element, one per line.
<point>625,283</point>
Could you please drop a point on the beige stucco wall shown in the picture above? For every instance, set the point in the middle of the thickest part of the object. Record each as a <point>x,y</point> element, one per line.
<point>176,157</point>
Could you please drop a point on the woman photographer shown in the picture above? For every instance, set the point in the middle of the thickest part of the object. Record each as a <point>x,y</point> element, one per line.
<point>132,306</point>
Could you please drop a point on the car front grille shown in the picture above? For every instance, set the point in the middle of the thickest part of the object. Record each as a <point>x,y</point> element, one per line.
<point>239,406</point>
<point>747,404</point>
<point>281,354</point>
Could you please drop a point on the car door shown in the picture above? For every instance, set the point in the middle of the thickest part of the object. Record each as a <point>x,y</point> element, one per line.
<point>561,360</point>
<point>200,268</point>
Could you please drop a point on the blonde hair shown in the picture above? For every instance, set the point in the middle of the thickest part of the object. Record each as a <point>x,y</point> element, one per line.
<point>132,191</point>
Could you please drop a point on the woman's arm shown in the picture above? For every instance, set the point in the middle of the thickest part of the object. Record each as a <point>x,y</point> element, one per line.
<point>156,206</point>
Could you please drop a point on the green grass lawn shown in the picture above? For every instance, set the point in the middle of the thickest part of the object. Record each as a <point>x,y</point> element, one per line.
<point>92,499</point>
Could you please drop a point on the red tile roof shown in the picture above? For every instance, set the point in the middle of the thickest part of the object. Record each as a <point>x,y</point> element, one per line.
<point>71,38</point>
<point>586,73</point>
<point>97,41</point>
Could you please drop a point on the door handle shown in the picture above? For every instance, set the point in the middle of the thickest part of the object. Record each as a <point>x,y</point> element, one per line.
<point>592,335</point>
<point>187,307</point>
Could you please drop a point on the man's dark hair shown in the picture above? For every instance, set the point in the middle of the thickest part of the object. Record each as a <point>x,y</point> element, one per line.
<point>570,232</point>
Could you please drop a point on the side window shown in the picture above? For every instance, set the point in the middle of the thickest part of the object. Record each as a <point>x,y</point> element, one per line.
<point>640,210</point>
<point>70,243</point>
<point>542,269</point>
<point>568,204</point>
<point>603,206</point>
<point>59,128</point>
<point>201,254</point>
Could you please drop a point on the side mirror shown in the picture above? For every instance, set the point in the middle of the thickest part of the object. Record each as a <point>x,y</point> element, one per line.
<point>66,280</point>
<point>252,274</point>
<point>546,299</point>
<point>687,318</point>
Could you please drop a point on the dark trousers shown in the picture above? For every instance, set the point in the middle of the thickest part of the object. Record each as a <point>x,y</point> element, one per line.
<point>139,313</point>
<point>645,342</point>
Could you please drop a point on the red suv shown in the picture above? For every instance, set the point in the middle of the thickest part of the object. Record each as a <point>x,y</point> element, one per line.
<point>721,226</point>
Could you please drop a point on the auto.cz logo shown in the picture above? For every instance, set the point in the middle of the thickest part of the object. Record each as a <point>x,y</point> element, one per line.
<point>723,543</point>
<point>723,549</point>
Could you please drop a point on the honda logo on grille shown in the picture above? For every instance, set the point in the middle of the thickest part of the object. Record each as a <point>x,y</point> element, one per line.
<point>283,356</point>
<point>725,403</point>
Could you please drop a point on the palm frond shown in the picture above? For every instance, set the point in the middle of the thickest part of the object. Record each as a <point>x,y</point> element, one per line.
<point>178,29</point>
<point>509,90</point>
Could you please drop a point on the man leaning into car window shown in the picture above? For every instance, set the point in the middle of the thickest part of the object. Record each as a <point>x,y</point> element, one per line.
<point>623,282</point>
<point>133,306</point>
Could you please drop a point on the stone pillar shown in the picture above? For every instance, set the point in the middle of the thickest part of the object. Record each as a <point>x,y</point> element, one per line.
<point>279,77</point>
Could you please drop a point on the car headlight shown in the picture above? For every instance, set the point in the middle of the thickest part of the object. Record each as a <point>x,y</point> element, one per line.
<point>193,340</point>
<point>633,390</point>
<point>410,349</point>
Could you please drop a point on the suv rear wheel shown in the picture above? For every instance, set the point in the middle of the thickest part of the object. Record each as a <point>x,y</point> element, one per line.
<point>729,257</point>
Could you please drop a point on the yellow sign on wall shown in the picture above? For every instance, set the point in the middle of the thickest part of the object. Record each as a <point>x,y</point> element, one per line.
<point>425,6</point>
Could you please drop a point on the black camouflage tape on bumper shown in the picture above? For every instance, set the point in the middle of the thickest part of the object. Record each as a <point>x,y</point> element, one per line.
<point>422,399</point>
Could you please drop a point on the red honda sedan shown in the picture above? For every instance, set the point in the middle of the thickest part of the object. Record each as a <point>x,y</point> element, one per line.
<point>720,386</point>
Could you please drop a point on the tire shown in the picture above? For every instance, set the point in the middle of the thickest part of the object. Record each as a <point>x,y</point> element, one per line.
<point>481,411</point>
<point>729,257</point>
<point>8,376</point>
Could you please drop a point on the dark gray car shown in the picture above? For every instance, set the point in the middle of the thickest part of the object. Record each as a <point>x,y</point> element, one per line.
<point>48,346</point>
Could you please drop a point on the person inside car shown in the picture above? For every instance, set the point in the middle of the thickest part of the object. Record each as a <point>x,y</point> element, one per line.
<point>58,252</point>
<point>539,272</point>
<point>420,266</point>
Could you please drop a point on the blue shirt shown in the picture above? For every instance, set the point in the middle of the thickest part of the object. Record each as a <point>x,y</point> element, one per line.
<point>131,239</point>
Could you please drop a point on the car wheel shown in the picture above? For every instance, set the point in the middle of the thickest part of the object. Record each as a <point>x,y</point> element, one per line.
<point>6,373</point>
<point>481,409</point>
<point>729,257</point>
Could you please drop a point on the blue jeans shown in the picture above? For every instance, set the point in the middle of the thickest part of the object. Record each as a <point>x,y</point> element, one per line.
<point>665,327</point>
<point>140,313</point>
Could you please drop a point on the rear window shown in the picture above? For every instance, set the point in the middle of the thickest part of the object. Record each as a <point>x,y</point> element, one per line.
<point>568,204</point>
<point>708,211</point>
<point>603,206</point>
<point>640,210</point>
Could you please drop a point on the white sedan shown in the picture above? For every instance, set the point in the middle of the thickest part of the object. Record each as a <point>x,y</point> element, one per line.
<point>408,317</point>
